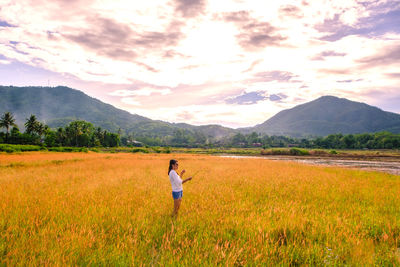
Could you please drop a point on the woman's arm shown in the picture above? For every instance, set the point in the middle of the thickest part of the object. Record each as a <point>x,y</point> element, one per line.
<point>188,179</point>
<point>182,173</point>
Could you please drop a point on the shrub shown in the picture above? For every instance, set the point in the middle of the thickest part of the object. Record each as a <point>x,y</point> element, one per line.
<point>298,152</point>
<point>156,149</point>
<point>275,152</point>
<point>19,148</point>
<point>333,152</point>
<point>68,149</point>
<point>139,149</point>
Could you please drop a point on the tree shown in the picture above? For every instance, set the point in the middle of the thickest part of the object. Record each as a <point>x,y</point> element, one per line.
<point>41,129</point>
<point>31,125</point>
<point>79,133</point>
<point>6,121</point>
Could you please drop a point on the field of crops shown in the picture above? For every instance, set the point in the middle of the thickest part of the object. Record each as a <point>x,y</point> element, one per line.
<point>114,209</point>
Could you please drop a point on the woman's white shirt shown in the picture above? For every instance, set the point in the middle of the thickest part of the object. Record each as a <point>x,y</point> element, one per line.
<point>176,181</point>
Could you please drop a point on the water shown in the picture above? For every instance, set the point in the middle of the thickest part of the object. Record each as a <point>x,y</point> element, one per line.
<point>392,167</point>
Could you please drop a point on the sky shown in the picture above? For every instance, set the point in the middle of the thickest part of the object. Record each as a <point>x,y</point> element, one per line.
<point>233,63</point>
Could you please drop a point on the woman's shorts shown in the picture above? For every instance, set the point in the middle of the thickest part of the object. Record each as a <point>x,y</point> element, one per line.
<point>177,195</point>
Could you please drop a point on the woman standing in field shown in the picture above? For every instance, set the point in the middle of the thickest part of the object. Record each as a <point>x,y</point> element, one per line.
<point>176,183</point>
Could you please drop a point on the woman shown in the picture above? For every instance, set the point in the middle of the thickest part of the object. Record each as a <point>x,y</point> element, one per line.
<point>176,183</point>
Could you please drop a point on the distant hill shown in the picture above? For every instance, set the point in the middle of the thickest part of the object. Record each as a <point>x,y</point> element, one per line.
<point>57,106</point>
<point>327,115</point>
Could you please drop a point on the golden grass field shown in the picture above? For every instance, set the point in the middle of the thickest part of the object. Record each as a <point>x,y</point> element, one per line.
<point>114,209</point>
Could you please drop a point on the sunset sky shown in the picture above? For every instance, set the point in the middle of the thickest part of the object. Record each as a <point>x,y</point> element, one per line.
<point>234,63</point>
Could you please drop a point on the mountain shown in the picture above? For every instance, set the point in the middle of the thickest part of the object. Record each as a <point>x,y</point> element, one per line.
<point>327,115</point>
<point>57,106</point>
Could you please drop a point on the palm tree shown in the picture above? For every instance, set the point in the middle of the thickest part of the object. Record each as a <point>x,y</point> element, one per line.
<point>6,121</point>
<point>31,124</point>
<point>40,128</point>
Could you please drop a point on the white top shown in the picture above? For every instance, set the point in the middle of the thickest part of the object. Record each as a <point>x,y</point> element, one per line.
<point>176,181</point>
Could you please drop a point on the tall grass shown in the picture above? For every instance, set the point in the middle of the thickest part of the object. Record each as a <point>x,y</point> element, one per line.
<point>114,209</point>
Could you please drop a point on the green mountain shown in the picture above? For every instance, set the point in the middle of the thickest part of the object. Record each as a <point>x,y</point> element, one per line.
<point>327,115</point>
<point>57,106</point>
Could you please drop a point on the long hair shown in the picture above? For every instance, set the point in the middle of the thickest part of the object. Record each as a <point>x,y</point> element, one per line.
<point>171,162</point>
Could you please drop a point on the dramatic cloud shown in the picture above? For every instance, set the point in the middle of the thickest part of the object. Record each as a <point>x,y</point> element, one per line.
<point>259,35</point>
<point>378,18</point>
<point>254,34</point>
<point>119,41</point>
<point>230,62</point>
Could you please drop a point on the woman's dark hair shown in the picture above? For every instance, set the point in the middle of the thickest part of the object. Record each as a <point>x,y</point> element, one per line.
<point>171,162</point>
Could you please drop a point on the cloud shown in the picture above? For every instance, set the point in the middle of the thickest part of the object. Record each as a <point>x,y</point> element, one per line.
<point>350,81</point>
<point>259,35</point>
<point>190,8</point>
<point>324,54</point>
<point>253,34</point>
<point>4,23</point>
<point>251,98</point>
<point>268,76</point>
<point>146,91</point>
<point>253,65</point>
<point>186,116</point>
<point>393,75</point>
<point>336,71</point>
<point>383,18</point>
<point>291,11</point>
<point>119,41</point>
<point>277,97</point>
<point>247,98</point>
<point>389,55</point>
<point>237,17</point>
<point>130,101</point>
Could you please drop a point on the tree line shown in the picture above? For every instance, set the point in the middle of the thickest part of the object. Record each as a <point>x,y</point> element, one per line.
<point>379,140</point>
<point>186,138</point>
<point>77,133</point>
<point>84,134</point>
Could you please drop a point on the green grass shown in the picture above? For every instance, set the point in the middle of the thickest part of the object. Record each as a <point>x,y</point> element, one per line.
<point>19,148</point>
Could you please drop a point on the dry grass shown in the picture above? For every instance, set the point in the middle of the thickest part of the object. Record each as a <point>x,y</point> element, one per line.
<point>114,209</point>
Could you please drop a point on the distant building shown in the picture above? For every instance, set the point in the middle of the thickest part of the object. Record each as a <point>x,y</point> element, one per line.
<point>134,143</point>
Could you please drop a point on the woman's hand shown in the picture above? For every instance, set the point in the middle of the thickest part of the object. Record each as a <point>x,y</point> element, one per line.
<point>188,179</point>
<point>183,172</point>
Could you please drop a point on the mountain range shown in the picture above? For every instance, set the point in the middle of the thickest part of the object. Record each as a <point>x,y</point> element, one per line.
<point>57,106</point>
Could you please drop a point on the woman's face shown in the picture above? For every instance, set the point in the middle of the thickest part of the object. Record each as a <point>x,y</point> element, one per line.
<point>175,166</point>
